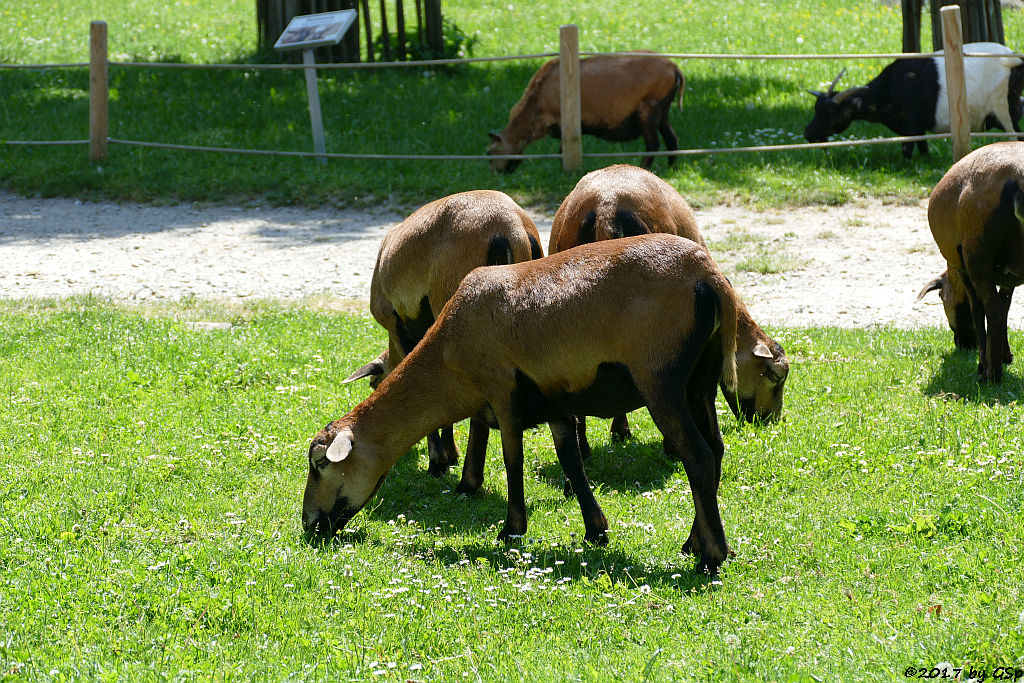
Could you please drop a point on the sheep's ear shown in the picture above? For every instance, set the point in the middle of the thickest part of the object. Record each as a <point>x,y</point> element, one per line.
<point>495,137</point>
<point>937,283</point>
<point>341,446</point>
<point>761,350</point>
<point>371,369</point>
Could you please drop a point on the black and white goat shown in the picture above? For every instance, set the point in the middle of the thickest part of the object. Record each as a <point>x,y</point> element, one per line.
<point>910,98</point>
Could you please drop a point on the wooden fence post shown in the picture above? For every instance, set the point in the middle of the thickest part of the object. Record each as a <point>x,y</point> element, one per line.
<point>953,45</point>
<point>98,91</point>
<point>569,80</point>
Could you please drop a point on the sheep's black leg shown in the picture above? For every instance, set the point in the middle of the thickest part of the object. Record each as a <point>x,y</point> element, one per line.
<point>669,401</point>
<point>620,428</point>
<point>581,436</point>
<point>476,455</point>
<point>669,135</point>
<point>512,452</point>
<point>579,423</point>
<point>701,392</point>
<point>683,441</point>
<point>995,317</point>
<point>1006,295</point>
<point>649,129</point>
<point>441,450</point>
<point>563,432</point>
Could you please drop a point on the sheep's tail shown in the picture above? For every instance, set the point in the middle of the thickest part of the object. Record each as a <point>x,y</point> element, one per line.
<point>1018,203</point>
<point>727,329</point>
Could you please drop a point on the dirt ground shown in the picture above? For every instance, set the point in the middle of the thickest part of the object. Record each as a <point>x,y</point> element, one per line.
<point>856,265</point>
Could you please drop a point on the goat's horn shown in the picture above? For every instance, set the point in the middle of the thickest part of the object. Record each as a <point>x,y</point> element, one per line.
<point>832,87</point>
<point>849,92</point>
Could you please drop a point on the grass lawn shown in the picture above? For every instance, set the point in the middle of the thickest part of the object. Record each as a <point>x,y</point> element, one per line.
<point>438,111</point>
<point>152,477</point>
<point>152,471</point>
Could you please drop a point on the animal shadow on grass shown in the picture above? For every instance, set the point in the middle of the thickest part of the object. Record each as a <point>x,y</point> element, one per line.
<point>630,466</point>
<point>433,511</point>
<point>557,561</point>
<point>957,378</point>
<point>432,501</point>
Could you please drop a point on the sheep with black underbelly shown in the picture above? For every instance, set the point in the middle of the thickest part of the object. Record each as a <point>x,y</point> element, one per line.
<point>622,97</point>
<point>909,97</point>
<point>976,215</point>
<point>597,330</point>
<point>419,265</point>
<point>622,200</point>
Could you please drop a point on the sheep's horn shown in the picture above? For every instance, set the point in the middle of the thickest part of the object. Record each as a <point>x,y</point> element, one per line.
<point>832,87</point>
<point>937,283</point>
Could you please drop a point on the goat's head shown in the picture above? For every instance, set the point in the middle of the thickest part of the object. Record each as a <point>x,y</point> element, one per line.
<point>957,307</point>
<point>833,112</point>
<point>500,145</point>
<point>342,478</point>
<point>761,373</point>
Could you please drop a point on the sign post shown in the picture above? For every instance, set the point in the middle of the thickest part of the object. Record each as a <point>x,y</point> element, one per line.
<point>306,33</point>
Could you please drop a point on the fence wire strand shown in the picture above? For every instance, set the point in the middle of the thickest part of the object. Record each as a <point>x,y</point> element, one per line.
<point>518,157</point>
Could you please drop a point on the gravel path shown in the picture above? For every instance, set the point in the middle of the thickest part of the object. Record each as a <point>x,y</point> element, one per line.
<point>852,266</point>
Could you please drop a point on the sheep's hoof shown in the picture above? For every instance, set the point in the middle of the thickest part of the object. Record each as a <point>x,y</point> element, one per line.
<point>709,563</point>
<point>622,435</point>
<point>993,375</point>
<point>567,490</point>
<point>437,468</point>
<point>467,488</point>
<point>708,568</point>
<point>509,536</point>
<point>691,547</point>
<point>597,537</point>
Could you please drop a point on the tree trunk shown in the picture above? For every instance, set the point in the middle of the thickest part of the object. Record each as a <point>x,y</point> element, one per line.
<point>911,25</point>
<point>981,21</point>
<point>434,29</point>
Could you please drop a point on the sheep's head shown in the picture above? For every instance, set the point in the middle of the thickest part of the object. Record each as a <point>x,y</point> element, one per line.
<point>833,112</point>
<point>342,478</point>
<point>956,306</point>
<point>761,373</point>
<point>500,145</point>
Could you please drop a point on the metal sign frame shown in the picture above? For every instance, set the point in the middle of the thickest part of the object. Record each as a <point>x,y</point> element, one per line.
<point>315,30</point>
<point>307,32</point>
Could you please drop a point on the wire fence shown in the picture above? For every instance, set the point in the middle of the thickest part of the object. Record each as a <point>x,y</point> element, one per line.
<point>682,56</point>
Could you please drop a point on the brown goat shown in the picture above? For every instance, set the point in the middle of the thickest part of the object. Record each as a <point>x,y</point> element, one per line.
<point>420,264</point>
<point>622,97</point>
<point>537,342</point>
<point>976,215</point>
<point>621,200</point>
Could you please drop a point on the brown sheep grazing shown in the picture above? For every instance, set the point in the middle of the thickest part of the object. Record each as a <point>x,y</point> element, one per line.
<point>420,264</point>
<point>622,97</point>
<point>621,200</point>
<point>976,215</point>
<point>598,330</point>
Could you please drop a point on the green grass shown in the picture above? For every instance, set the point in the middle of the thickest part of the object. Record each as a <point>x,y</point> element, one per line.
<point>431,111</point>
<point>152,475</point>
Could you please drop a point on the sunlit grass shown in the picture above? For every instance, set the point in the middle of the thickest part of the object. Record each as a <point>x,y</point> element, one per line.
<point>153,471</point>
<point>728,103</point>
